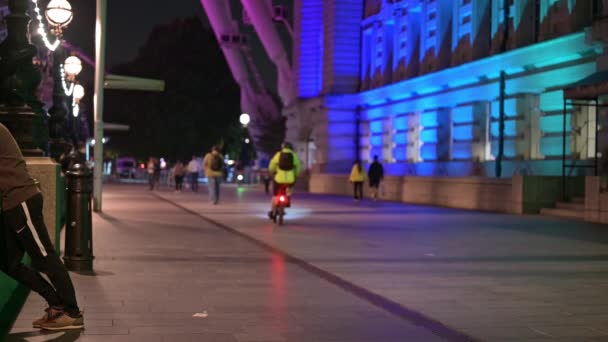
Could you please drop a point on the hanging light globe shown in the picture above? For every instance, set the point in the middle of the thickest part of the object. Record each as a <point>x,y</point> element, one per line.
<point>59,13</point>
<point>72,66</point>
<point>78,92</point>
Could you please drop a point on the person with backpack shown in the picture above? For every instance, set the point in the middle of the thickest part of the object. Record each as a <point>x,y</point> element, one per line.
<point>375,174</point>
<point>286,167</point>
<point>23,230</point>
<point>213,164</point>
<point>357,177</point>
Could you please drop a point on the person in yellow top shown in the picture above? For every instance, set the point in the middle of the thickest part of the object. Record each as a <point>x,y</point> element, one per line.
<point>213,164</point>
<point>357,177</point>
<point>286,167</point>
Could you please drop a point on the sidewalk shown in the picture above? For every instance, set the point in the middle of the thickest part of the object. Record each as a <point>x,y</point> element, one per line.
<point>494,277</point>
<point>160,270</point>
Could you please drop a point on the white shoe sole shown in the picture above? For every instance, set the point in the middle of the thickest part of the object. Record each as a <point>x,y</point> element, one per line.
<point>69,327</point>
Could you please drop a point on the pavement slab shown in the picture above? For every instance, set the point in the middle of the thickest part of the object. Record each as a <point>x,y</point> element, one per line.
<point>157,266</point>
<point>491,276</point>
<point>337,271</point>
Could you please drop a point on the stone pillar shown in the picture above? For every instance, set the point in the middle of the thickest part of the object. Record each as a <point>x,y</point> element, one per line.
<point>48,174</point>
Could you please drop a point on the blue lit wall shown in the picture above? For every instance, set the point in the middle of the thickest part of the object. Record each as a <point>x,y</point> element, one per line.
<point>310,73</point>
<point>342,33</point>
<point>455,109</point>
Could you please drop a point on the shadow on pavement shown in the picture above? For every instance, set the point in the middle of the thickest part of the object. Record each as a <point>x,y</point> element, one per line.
<point>47,336</point>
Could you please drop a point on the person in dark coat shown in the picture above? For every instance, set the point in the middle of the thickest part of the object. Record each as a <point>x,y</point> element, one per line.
<point>375,174</point>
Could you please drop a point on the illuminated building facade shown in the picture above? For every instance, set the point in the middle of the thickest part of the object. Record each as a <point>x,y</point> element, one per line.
<point>417,82</point>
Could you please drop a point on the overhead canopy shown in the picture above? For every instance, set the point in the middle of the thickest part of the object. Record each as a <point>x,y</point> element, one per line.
<point>133,83</point>
<point>590,87</point>
<point>108,126</point>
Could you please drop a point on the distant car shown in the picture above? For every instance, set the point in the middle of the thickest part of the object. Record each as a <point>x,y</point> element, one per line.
<point>126,167</point>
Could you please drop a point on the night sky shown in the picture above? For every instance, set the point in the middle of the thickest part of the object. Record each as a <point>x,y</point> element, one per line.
<point>129,23</point>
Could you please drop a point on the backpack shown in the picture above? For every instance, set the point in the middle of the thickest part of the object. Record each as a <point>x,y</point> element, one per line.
<point>216,163</point>
<point>286,162</point>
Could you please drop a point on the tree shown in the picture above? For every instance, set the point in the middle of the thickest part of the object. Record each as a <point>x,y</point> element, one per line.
<point>198,107</point>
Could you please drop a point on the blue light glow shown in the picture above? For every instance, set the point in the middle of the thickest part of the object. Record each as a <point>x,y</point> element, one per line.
<point>428,152</point>
<point>462,114</point>
<point>462,150</point>
<point>376,140</point>
<point>400,138</point>
<point>429,119</point>
<point>376,126</point>
<point>428,90</point>
<point>510,128</point>
<point>400,153</point>
<point>400,123</point>
<point>462,82</point>
<point>558,60</point>
<point>552,146</point>
<point>391,41</point>
<point>463,132</point>
<point>311,43</point>
<point>429,135</point>
<point>509,148</point>
<point>554,123</point>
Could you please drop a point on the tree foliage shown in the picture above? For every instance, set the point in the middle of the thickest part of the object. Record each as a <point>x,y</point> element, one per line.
<point>199,106</point>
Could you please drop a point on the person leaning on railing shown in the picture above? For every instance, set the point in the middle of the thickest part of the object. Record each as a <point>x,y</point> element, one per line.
<point>24,230</point>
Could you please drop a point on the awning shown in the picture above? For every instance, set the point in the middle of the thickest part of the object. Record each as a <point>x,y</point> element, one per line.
<point>590,87</point>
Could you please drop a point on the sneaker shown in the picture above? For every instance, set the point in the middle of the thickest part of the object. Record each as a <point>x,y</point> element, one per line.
<point>62,321</point>
<point>271,215</point>
<point>38,323</point>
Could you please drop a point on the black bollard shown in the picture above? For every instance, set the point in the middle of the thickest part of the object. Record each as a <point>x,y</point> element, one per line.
<point>78,233</point>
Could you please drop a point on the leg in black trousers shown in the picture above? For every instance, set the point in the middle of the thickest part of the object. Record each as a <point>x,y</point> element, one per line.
<point>25,231</point>
<point>358,190</point>
<point>194,180</point>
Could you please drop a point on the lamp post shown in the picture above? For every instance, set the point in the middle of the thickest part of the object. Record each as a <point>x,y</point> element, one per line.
<point>77,95</point>
<point>59,14</point>
<point>72,67</point>
<point>20,110</point>
<point>245,153</point>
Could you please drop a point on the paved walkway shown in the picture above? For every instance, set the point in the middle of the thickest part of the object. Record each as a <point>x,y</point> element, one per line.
<point>160,269</point>
<point>338,271</point>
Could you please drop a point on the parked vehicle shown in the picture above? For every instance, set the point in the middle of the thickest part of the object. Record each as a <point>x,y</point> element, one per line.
<point>126,167</point>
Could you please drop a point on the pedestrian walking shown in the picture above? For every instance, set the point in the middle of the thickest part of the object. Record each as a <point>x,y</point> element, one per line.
<point>375,174</point>
<point>267,177</point>
<point>178,175</point>
<point>150,168</point>
<point>357,177</point>
<point>193,173</point>
<point>157,169</point>
<point>213,164</point>
<point>23,230</point>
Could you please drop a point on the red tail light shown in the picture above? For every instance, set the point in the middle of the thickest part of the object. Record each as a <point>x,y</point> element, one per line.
<point>282,199</point>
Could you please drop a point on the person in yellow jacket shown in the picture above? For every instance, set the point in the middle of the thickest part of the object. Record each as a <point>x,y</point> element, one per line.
<point>357,177</point>
<point>286,167</point>
<point>213,164</point>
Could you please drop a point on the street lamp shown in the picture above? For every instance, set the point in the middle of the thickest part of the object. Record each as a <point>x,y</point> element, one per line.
<point>244,119</point>
<point>72,67</point>
<point>20,110</point>
<point>59,14</point>
<point>77,96</point>
<point>78,93</point>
